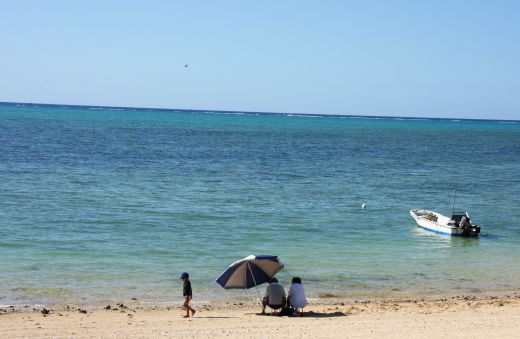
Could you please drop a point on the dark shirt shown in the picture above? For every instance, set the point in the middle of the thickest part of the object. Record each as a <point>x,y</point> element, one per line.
<point>186,289</point>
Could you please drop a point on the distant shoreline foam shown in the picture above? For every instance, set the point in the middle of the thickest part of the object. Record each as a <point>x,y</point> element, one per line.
<point>288,114</point>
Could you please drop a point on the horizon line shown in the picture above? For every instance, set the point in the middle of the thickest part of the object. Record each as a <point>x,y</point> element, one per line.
<point>251,112</point>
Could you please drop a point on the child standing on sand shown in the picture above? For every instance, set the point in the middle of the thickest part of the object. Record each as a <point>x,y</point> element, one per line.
<point>187,294</point>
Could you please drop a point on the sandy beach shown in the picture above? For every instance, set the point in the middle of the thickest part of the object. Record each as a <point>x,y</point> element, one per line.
<point>461,316</point>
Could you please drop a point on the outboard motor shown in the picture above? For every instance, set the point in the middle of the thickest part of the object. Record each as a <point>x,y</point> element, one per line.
<point>468,229</point>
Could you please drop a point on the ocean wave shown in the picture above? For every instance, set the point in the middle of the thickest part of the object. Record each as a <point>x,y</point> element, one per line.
<point>362,118</point>
<point>225,113</point>
<point>303,115</point>
<point>409,119</point>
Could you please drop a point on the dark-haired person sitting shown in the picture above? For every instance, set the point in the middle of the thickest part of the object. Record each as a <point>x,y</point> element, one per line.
<point>296,297</point>
<point>274,296</point>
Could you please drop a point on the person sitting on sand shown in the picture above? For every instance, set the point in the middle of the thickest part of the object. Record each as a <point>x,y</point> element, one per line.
<point>296,297</point>
<point>274,296</point>
<point>187,294</point>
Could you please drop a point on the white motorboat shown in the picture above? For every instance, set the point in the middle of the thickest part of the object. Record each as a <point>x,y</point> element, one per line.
<point>459,223</point>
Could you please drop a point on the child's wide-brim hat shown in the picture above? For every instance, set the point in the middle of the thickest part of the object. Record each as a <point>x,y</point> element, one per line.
<point>184,275</point>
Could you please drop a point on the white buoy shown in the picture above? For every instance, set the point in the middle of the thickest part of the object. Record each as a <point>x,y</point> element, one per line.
<point>363,206</point>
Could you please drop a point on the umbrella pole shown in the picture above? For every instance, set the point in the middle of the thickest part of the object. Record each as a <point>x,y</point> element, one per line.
<point>252,276</point>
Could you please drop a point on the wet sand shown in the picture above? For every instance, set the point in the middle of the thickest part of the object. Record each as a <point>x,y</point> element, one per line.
<point>462,316</point>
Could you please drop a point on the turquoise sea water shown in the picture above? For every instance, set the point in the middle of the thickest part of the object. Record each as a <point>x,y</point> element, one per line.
<point>107,204</point>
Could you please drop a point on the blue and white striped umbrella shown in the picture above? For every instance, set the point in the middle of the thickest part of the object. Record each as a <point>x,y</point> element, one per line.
<point>250,271</point>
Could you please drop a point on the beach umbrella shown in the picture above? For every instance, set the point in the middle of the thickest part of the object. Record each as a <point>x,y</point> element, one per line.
<point>250,272</point>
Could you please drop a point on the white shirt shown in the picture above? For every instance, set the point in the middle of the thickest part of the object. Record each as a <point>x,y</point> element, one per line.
<point>297,295</point>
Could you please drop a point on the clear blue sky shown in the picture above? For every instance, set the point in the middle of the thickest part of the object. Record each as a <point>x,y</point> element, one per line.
<point>406,58</point>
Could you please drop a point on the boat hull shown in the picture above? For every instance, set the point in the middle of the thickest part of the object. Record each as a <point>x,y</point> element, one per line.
<point>441,225</point>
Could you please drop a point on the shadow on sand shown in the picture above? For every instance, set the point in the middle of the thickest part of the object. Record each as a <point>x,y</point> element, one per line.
<point>310,314</point>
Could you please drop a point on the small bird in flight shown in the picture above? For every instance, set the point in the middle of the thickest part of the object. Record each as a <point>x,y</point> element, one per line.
<point>185,66</point>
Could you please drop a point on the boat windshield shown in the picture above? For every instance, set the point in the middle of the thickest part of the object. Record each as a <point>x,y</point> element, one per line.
<point>457,216</point>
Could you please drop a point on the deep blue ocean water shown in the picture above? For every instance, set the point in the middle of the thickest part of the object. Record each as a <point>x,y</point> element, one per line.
<point>107,204</point>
